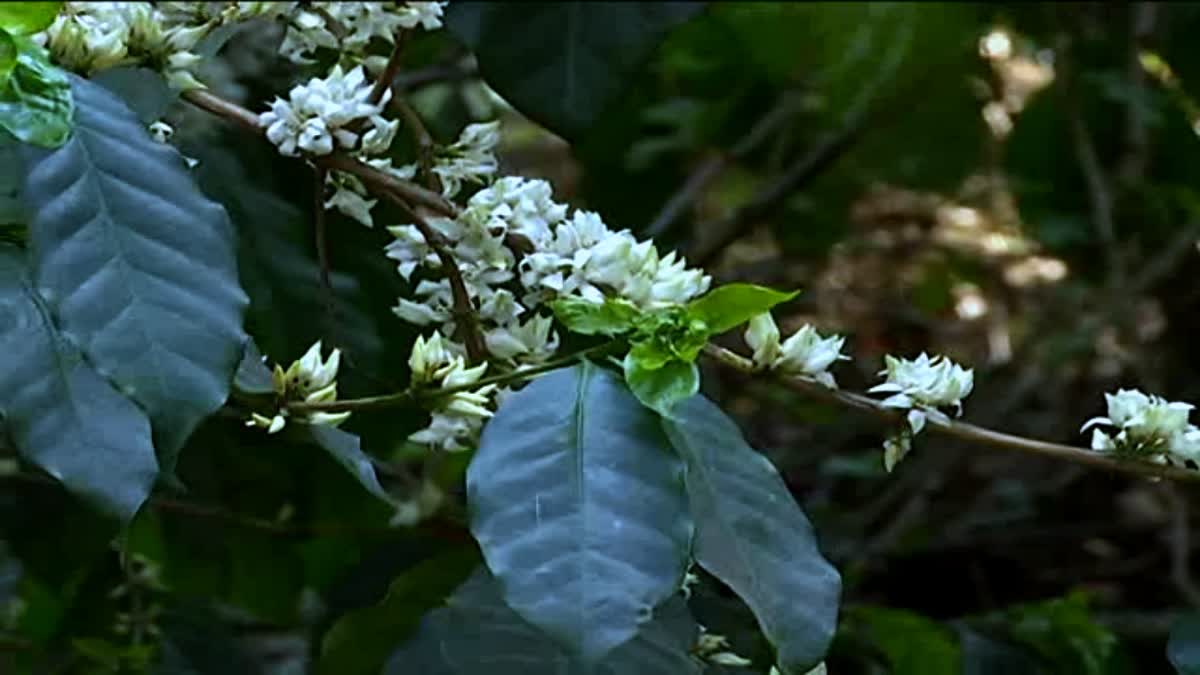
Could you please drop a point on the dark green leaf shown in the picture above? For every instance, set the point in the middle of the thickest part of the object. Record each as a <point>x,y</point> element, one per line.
<point>912,644</point>
<point>253,376</point>
<point>478,633</point>
<point>1063,632</point>
<point>145,91</point>
<point>730,306</point>
<point>61,415</point>
<point>36,102</point>
<point>573,58</point>
<point>751,534</point>
<point>577,502</point>
<point>661,388</point>
<point>139,265</point>
<point>27,18</point>
<point>344,447</point>
<point>982,655</point>
<point>195,642</point>
<point>1183,647</point>
<point>360,641</point>
<point>613,317</point>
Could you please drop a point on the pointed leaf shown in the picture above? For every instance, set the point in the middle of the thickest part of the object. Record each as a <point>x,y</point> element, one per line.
<point>660,389</point>
<point>252,375</point>
<point>476,632</point>
<point>577,502</point>
<point>345,448</point>
<point>575,58</point>
<point>751,534</point>
<point>27,18</point>
<point>139,265</point>
<point>732,305</point>
<point>61,415</point>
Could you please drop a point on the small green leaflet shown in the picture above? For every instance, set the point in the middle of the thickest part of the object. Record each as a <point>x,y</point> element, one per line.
<point>730,306</point>
<point>35,98</point>
<point>27,18</point>
<point>8,57</point>
<point>661,388</point>
<point>612,317</point>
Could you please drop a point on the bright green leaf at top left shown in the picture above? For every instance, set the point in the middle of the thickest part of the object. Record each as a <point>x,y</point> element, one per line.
<point>27,18</point>
<point>8,57</point>
<point>730,306</point>
<point>35,101</point>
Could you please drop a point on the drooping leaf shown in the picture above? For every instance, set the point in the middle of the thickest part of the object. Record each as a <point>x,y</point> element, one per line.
<point>612,317</point>
<point>360,642</point>
<point>577,502</point>
<point>731,305</point>
<point>751,534</point>
<point>27,18</point>
<point>661,388</point>
<point>139,265</point>
<point>344,447</point>
<point>476,632</point>
<point>61,415</point>
<point>35,99</point>
<point>1183,647</point>
<point>574,58</point>
<point>912,644</point>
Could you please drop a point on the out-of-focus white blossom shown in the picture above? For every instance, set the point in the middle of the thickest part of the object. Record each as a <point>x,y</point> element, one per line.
<point>804,353</point>
<point>348,27</point>
<point>531,341</point>
<point>318,116</point>
<point>1147,426</point>
<point>457,421</point>
<point>470,159</point>
<point>309,379</point>
<point>427,500</point>
<point>161,132</point>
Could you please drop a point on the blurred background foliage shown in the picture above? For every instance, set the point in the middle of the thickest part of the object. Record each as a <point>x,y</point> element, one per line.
<point>1011,184</point>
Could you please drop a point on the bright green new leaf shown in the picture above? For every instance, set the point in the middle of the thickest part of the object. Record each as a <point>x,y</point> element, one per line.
<point>730,306</point>
<point>35,101</point>
<point>613,317</point>
<point>661,388</point>
<point>8,57</point>
<point>27,18</point>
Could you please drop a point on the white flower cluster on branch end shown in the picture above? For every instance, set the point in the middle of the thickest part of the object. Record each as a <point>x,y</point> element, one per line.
<point>805,353</point>
<point>1146,427</point>
<point>309,379</point>
<point>922,386</point>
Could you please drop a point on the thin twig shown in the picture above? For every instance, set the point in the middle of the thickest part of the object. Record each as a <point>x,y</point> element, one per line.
<point>388,76</point>
<point>420,136</point>
<point>374,178</point>
<point>319,174</point>
<point>713,166</point>
<point>963,430</point>
<point>410,397</point>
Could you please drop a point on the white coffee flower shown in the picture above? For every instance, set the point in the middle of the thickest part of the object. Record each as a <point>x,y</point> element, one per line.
<point>348,197</point>
<point>715,649</point>
<point>532,341</point>
<point>804,353</point>
<point>309,379</point>
<point>348,27</point>
<point>470,159</point>
<point>925,383</point>
<point>318,115</point>
<point>459,417</point>
<point>1148,426</point>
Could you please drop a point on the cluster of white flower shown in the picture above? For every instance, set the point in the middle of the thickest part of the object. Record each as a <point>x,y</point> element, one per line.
<point>921,387</point>
<point>348,27</point>
<point>576,255</point>
<point>438,362</point>
<point>91,36</point>
<point>805,353</point>
<point>310,379</point>
<point>327,113</point>
<point>1149,427</point>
